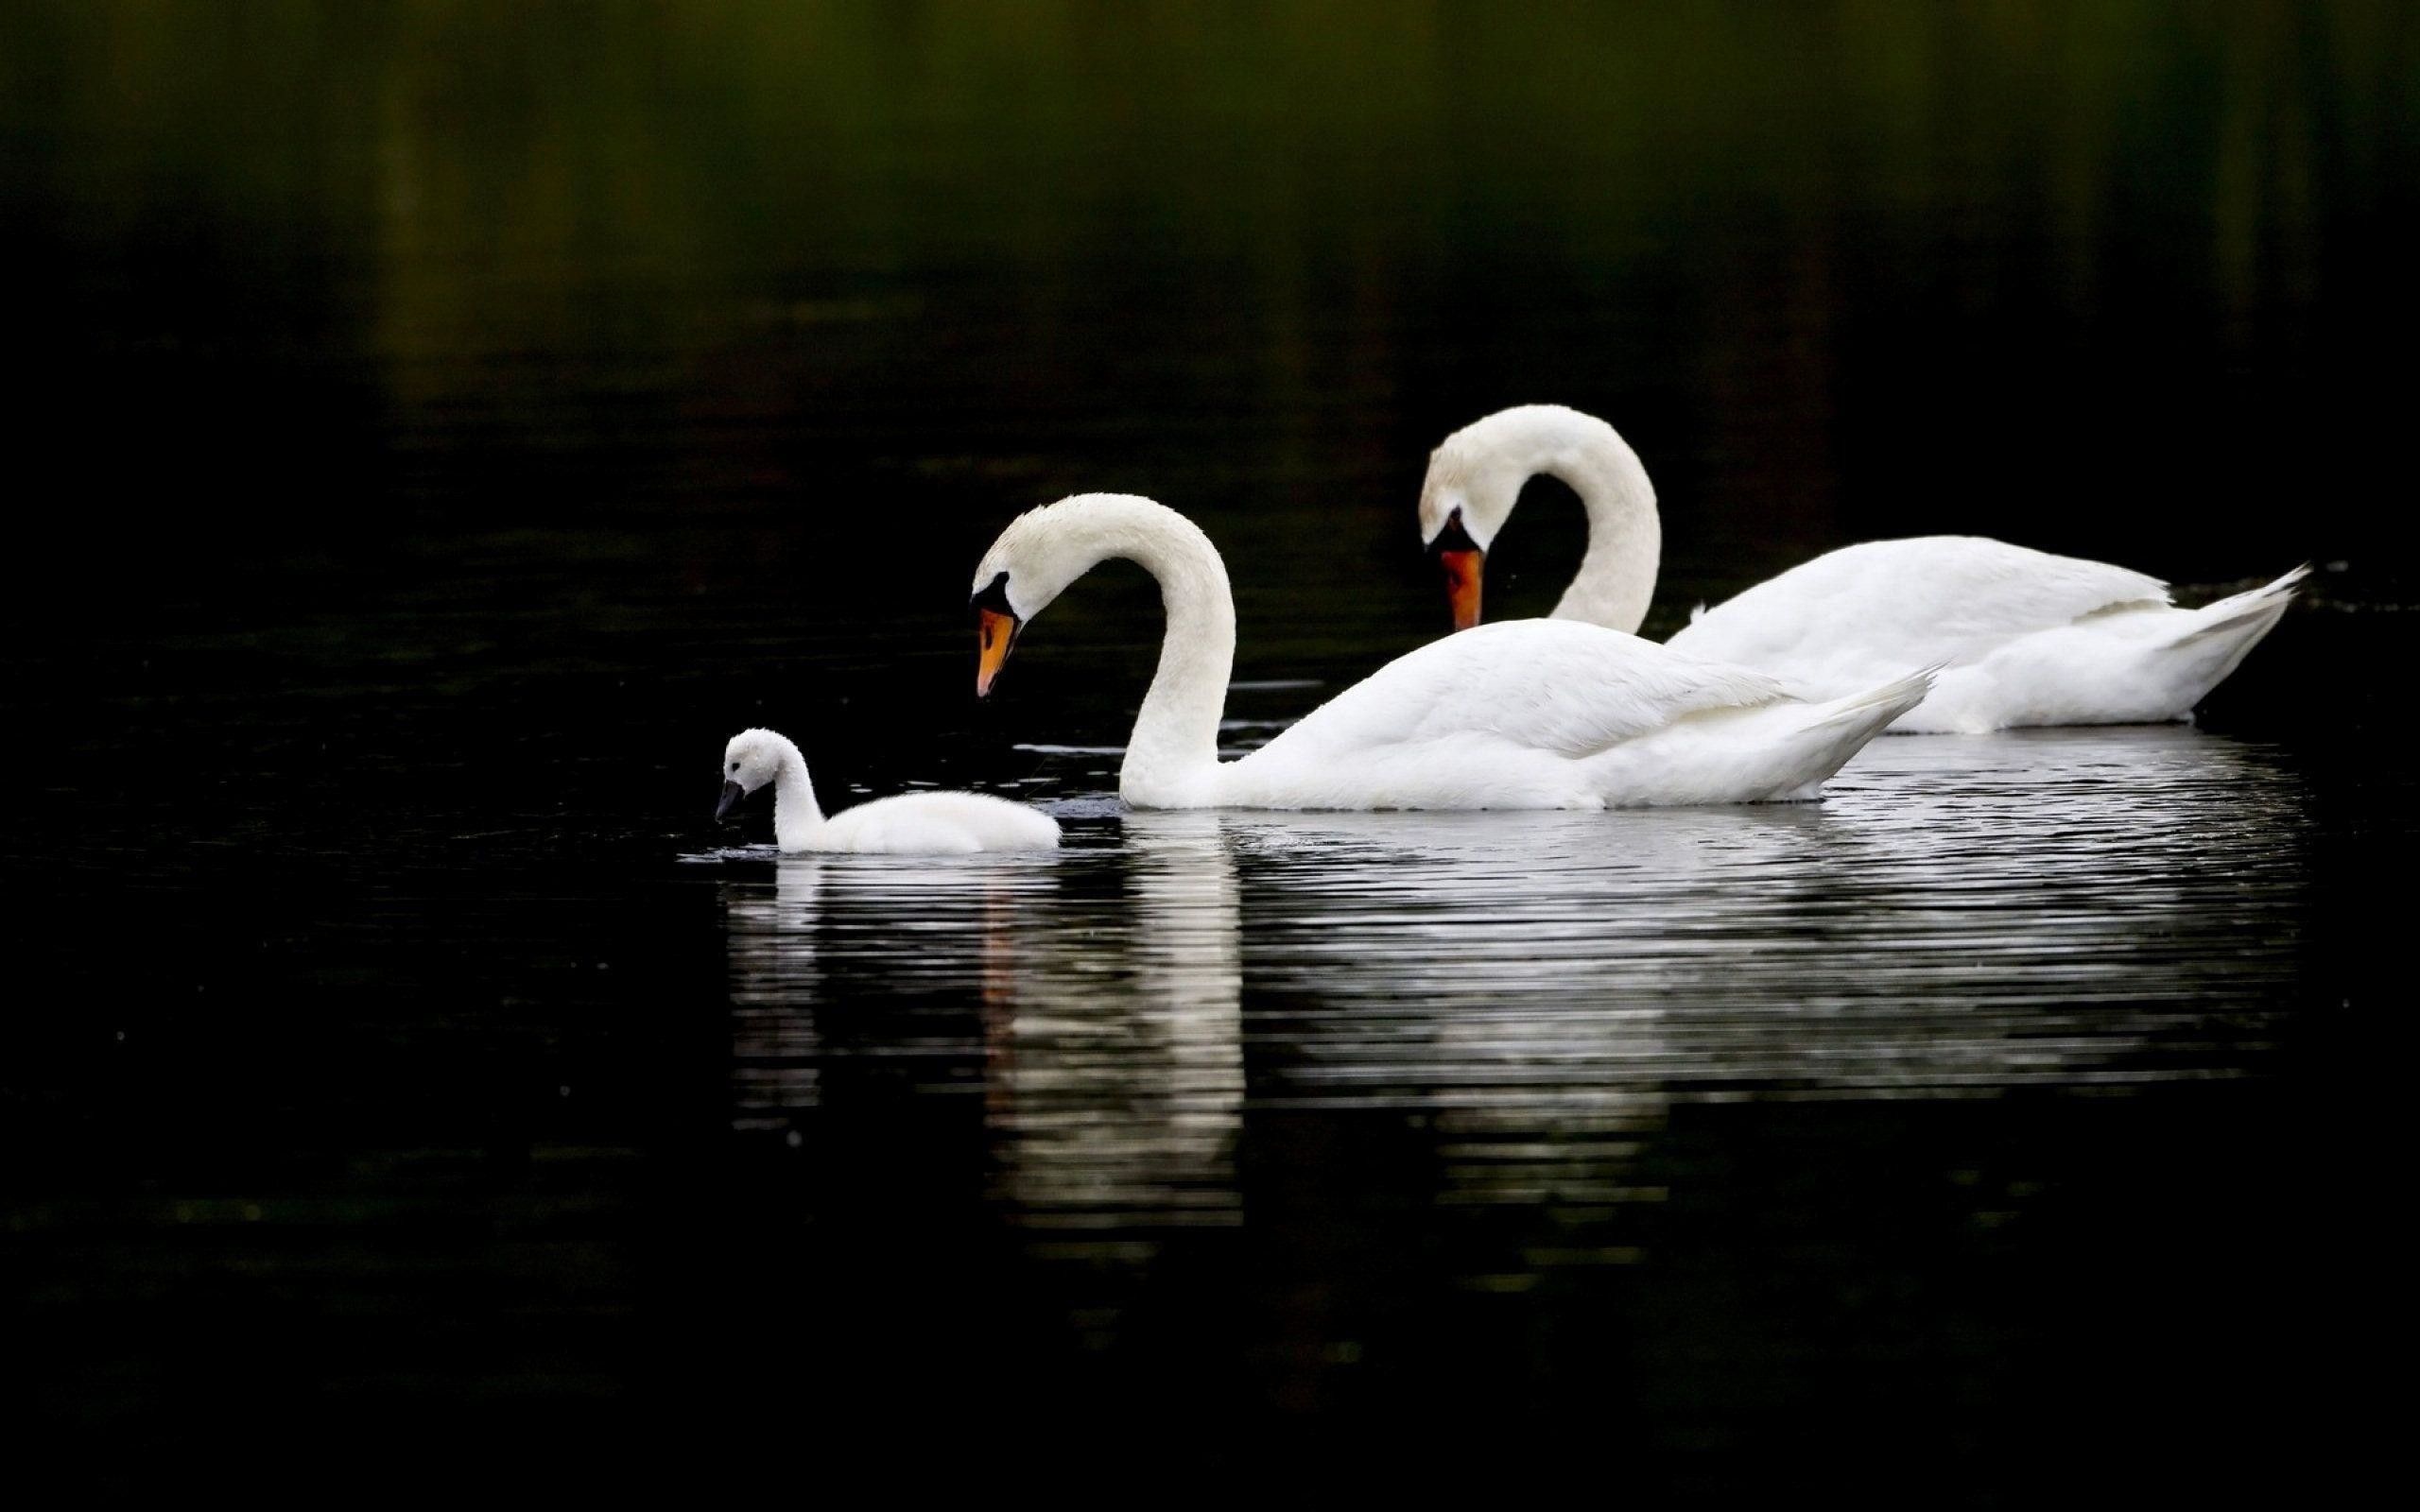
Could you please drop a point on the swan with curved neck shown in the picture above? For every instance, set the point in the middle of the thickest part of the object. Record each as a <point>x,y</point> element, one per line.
<point>910,824</point>
<point>2023,637</point>
<point>1533,713</point>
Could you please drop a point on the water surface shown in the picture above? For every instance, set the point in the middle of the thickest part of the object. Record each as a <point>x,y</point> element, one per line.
<point>458,421</point>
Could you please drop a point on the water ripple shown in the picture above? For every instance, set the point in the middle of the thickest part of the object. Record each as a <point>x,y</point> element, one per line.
<point>2079,910</point>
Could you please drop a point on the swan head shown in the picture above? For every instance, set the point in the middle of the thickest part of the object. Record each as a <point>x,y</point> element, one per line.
<point>1468,494</point>
<point>997,623</point>
<point>1475,476</point>
<point>1041,552</point>
<point>752,759</point>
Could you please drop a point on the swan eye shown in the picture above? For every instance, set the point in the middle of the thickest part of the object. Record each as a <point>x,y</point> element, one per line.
<point>735,766</point>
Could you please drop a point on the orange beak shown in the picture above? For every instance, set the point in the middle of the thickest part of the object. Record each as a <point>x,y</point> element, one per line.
<point>1462,569</point>
<point>995,633</point>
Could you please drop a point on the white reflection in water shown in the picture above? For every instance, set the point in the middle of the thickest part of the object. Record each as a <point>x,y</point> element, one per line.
<point>1116,1054</point>
<point>2078,909</point>
<point>1111,1043</point>
<point>875,943</point>
<point>1961,914</point>
<point>775,981</point>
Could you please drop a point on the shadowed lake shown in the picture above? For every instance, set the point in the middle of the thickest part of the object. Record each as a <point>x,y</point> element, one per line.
<point>446,425</point>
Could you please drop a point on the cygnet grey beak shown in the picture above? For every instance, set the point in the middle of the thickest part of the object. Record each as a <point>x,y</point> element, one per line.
<point>732,793</point>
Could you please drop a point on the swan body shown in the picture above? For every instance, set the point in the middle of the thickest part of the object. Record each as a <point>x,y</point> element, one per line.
<point>910,824</point>
<point>1527,714</point>
<point>2024,637</point>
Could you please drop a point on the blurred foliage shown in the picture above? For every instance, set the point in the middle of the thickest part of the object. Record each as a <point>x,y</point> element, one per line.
<point>1772,241</point>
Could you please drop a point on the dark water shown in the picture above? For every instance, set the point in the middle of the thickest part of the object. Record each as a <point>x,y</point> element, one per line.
<point>443,425</point>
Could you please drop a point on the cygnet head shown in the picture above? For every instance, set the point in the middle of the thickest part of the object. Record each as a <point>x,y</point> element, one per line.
<point>752,759</point>
<point>1043,551</point>
<point>1475,476</point>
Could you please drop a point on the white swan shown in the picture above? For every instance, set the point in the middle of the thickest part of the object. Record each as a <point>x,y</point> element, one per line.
<point>1529,713</point>
<point>910,824</point>
<point>2024,637</point>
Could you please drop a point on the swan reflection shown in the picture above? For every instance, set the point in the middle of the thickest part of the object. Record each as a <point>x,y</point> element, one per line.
<point>1961,916</point>
<point>1116,1072</point>
<point>1107,997</point>
<point>2074,909</point>
<point>896,943</point>
<point>775,981</point>
<point>2077,909</point>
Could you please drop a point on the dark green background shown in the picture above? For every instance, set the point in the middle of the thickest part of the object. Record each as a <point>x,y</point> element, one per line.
<point>439,425</point>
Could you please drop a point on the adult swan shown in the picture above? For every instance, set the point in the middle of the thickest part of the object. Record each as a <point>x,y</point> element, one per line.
<point>1528,714</point>
<point>2023,637</point>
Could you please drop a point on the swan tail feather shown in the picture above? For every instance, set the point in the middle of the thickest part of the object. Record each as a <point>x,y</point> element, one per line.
<point>2257,609</point>
<point>2209,643</point>
<point>1877,706</point>
<point>1839,729</point>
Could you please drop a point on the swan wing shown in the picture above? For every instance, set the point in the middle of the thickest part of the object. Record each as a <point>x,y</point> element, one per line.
<point>1904,603</point>
<point>1556,686</point>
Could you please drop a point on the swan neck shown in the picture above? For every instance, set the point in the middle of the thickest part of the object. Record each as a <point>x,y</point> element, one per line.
<point>1173,755</point>
<point>1616,577</point>
<point>795,814</point>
